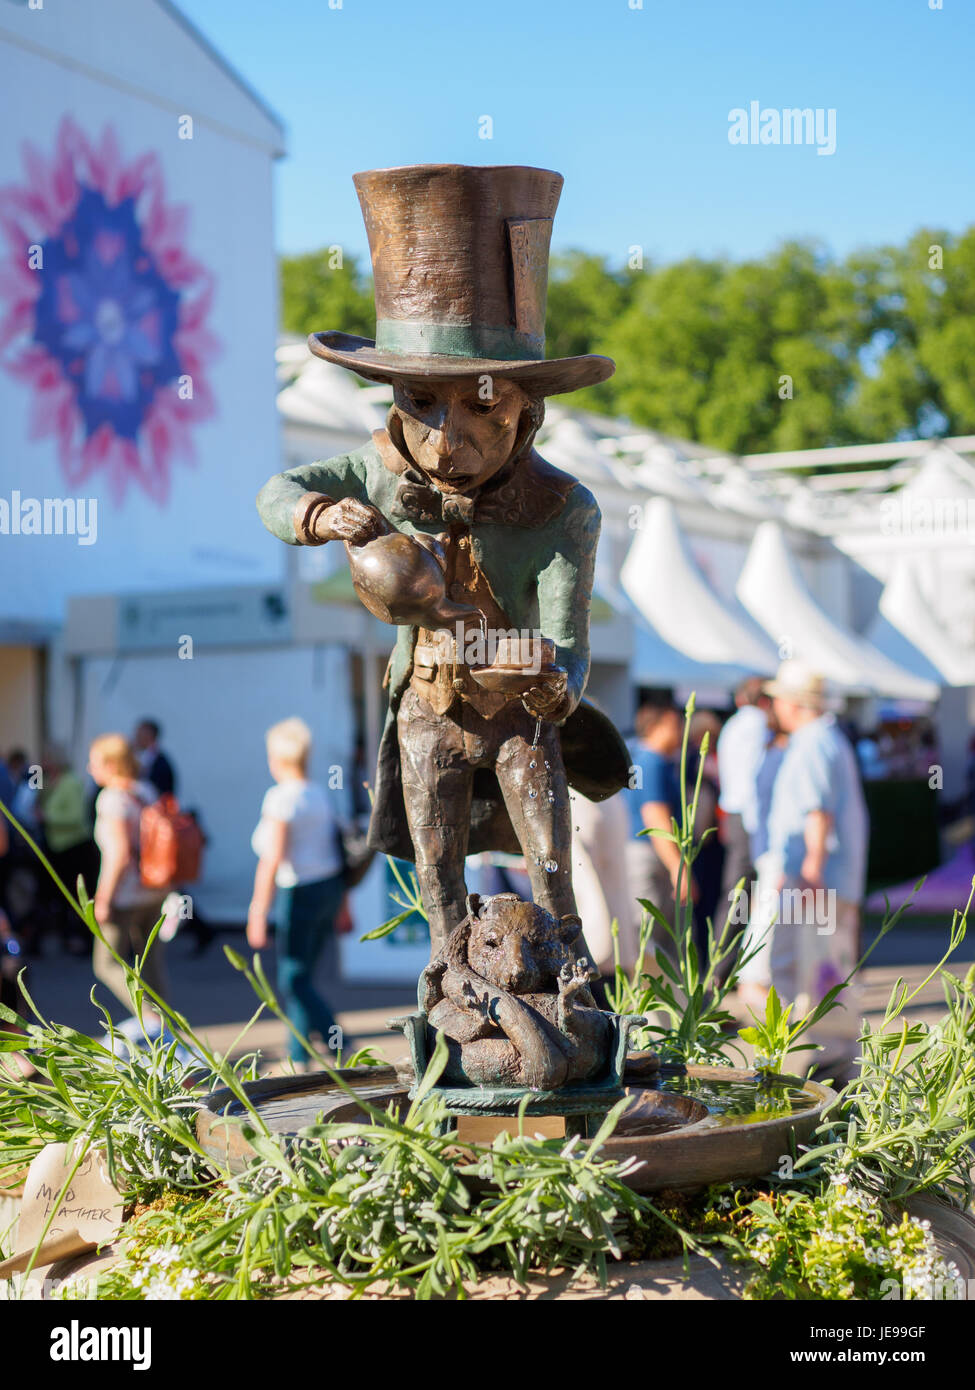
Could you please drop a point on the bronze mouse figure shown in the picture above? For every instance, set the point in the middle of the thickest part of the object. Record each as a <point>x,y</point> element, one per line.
<point>513,1000</point>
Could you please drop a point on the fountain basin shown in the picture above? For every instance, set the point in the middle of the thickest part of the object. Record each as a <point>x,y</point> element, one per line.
<point>736,1129</point>
<point>688,1126</point>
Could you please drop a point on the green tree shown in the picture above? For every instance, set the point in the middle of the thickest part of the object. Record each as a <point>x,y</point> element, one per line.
<point>585,300</point>
<point>758,355</point>
<point>317,294</point>
<point>797,349</point>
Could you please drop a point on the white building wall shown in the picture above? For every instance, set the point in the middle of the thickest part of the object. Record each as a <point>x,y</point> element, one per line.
<point>129,67</point>
<point>215,710</point>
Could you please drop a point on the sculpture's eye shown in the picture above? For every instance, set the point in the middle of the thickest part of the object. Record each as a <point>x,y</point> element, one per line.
<point>420,401</point>
<point>482,407</point>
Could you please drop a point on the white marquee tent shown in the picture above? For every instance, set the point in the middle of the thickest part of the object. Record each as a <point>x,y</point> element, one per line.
<point>663,580</point>
<point>774,591</point>
<point>906,630</point>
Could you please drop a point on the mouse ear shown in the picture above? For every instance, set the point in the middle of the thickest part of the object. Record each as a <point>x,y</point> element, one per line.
<point>473,904</point>
<point>570,925</point>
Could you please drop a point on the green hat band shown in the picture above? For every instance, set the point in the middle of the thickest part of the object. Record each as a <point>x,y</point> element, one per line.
<point>407,338</point>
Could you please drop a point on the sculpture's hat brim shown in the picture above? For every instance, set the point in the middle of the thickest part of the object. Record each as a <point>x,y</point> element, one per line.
<point>547,378</point>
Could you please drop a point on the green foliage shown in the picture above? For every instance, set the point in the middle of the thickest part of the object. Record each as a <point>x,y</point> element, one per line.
<point>688,992</point>
<point>395,1198</point>
<point>155,1252</point>
<point>316,294</point>
<point>141,1109</point>
<point>906,1123</point>
<point>411,903</point>
<point>836,1245</point>
<point>585,299</point>
<point>878,344</point>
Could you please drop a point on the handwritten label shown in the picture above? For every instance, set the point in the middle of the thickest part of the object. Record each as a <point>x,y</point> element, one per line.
<point>86,1213</point>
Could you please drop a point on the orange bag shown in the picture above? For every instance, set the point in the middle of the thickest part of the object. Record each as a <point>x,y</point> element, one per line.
<point>170,845</point>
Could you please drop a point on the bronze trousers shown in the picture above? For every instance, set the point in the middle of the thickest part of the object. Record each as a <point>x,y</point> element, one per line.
<point>439,754</point>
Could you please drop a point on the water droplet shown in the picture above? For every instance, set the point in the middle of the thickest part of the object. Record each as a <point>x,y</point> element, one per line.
<point>551,866</point>
<point>533,763</point>
<point>538,733</point>
<point>551,796</point>
<point>548,764</point>
<point>532,793</point>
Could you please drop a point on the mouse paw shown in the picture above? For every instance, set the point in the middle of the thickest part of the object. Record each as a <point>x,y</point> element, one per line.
<point>574,976</point>
<point>476,1002</point>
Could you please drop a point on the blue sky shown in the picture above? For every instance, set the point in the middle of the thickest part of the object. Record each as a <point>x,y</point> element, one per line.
<point>631,105</point>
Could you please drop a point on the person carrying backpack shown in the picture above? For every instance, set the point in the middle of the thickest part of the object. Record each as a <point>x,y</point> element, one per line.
<point>125,908</point>
<point>302,872</point>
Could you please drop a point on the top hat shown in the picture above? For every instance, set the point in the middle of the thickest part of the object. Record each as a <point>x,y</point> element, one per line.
<point>460,264</point>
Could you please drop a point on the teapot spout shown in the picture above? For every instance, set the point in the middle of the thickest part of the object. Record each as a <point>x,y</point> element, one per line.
<point>448,614</point>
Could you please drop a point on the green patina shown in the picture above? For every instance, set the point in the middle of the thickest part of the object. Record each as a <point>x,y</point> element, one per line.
<point>469,340</point>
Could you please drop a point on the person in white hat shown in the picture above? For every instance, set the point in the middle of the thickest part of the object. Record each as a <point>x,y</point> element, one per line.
<point>818,831</point>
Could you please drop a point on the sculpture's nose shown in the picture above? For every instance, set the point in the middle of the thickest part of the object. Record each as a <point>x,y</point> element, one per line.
<point>518,960</point>
<point>444,437</point>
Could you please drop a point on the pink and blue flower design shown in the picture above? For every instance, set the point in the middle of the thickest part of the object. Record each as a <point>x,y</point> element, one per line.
<point>108,324</point>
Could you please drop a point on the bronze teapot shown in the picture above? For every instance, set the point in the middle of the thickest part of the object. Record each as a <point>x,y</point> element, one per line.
<point>401,580</point>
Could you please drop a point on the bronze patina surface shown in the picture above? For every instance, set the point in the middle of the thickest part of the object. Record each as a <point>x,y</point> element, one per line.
<point>454,526</point>
<point>482,555</point>
<point>513,1000</point>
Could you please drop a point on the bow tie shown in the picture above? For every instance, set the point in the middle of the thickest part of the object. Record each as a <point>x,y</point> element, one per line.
<point>419,501</point>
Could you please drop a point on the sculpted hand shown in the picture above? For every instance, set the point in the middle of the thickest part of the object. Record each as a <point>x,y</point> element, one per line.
<point>547,698</point>
<point>479,1003</point>
<point>350,520</point>
<point>574,976</point>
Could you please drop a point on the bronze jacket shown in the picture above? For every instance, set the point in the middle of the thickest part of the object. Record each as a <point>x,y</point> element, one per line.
<point>534,531</point>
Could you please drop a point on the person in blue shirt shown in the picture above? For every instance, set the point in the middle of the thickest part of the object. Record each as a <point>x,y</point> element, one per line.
<point>653,800</point>
<point>817,843</point>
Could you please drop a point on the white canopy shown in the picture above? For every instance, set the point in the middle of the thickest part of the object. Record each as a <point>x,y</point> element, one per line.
<point>907,631</point>
<point>325,396</point>
<point>664,582</point>
<point>773,590</point>
<point>739,491</point>
<point>569,442</point>
<point>656,663</point>
<point>941,475</point>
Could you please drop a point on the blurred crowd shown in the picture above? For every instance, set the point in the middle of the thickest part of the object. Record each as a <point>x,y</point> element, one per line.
<point>779,806</point>
<point>785,865</point>
<point>83,821</point>
<point>115,833</point>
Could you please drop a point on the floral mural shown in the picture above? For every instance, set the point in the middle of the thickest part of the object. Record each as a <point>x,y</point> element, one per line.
<point>104,313</point>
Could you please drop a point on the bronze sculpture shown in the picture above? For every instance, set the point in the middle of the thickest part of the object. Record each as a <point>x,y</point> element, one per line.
<point>457,529</point>
<point>513,1001</point>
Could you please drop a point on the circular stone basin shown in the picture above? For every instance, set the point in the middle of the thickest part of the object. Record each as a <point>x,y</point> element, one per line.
<point>288,1104</point>
<point>688,1126</point>
<point>736,1128</point>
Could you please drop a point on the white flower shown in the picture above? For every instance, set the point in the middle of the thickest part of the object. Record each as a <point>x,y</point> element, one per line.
<point>164,1256</point>
<point>161,1290</point>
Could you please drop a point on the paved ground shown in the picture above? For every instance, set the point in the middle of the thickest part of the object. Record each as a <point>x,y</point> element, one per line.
<point>217,999</point>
